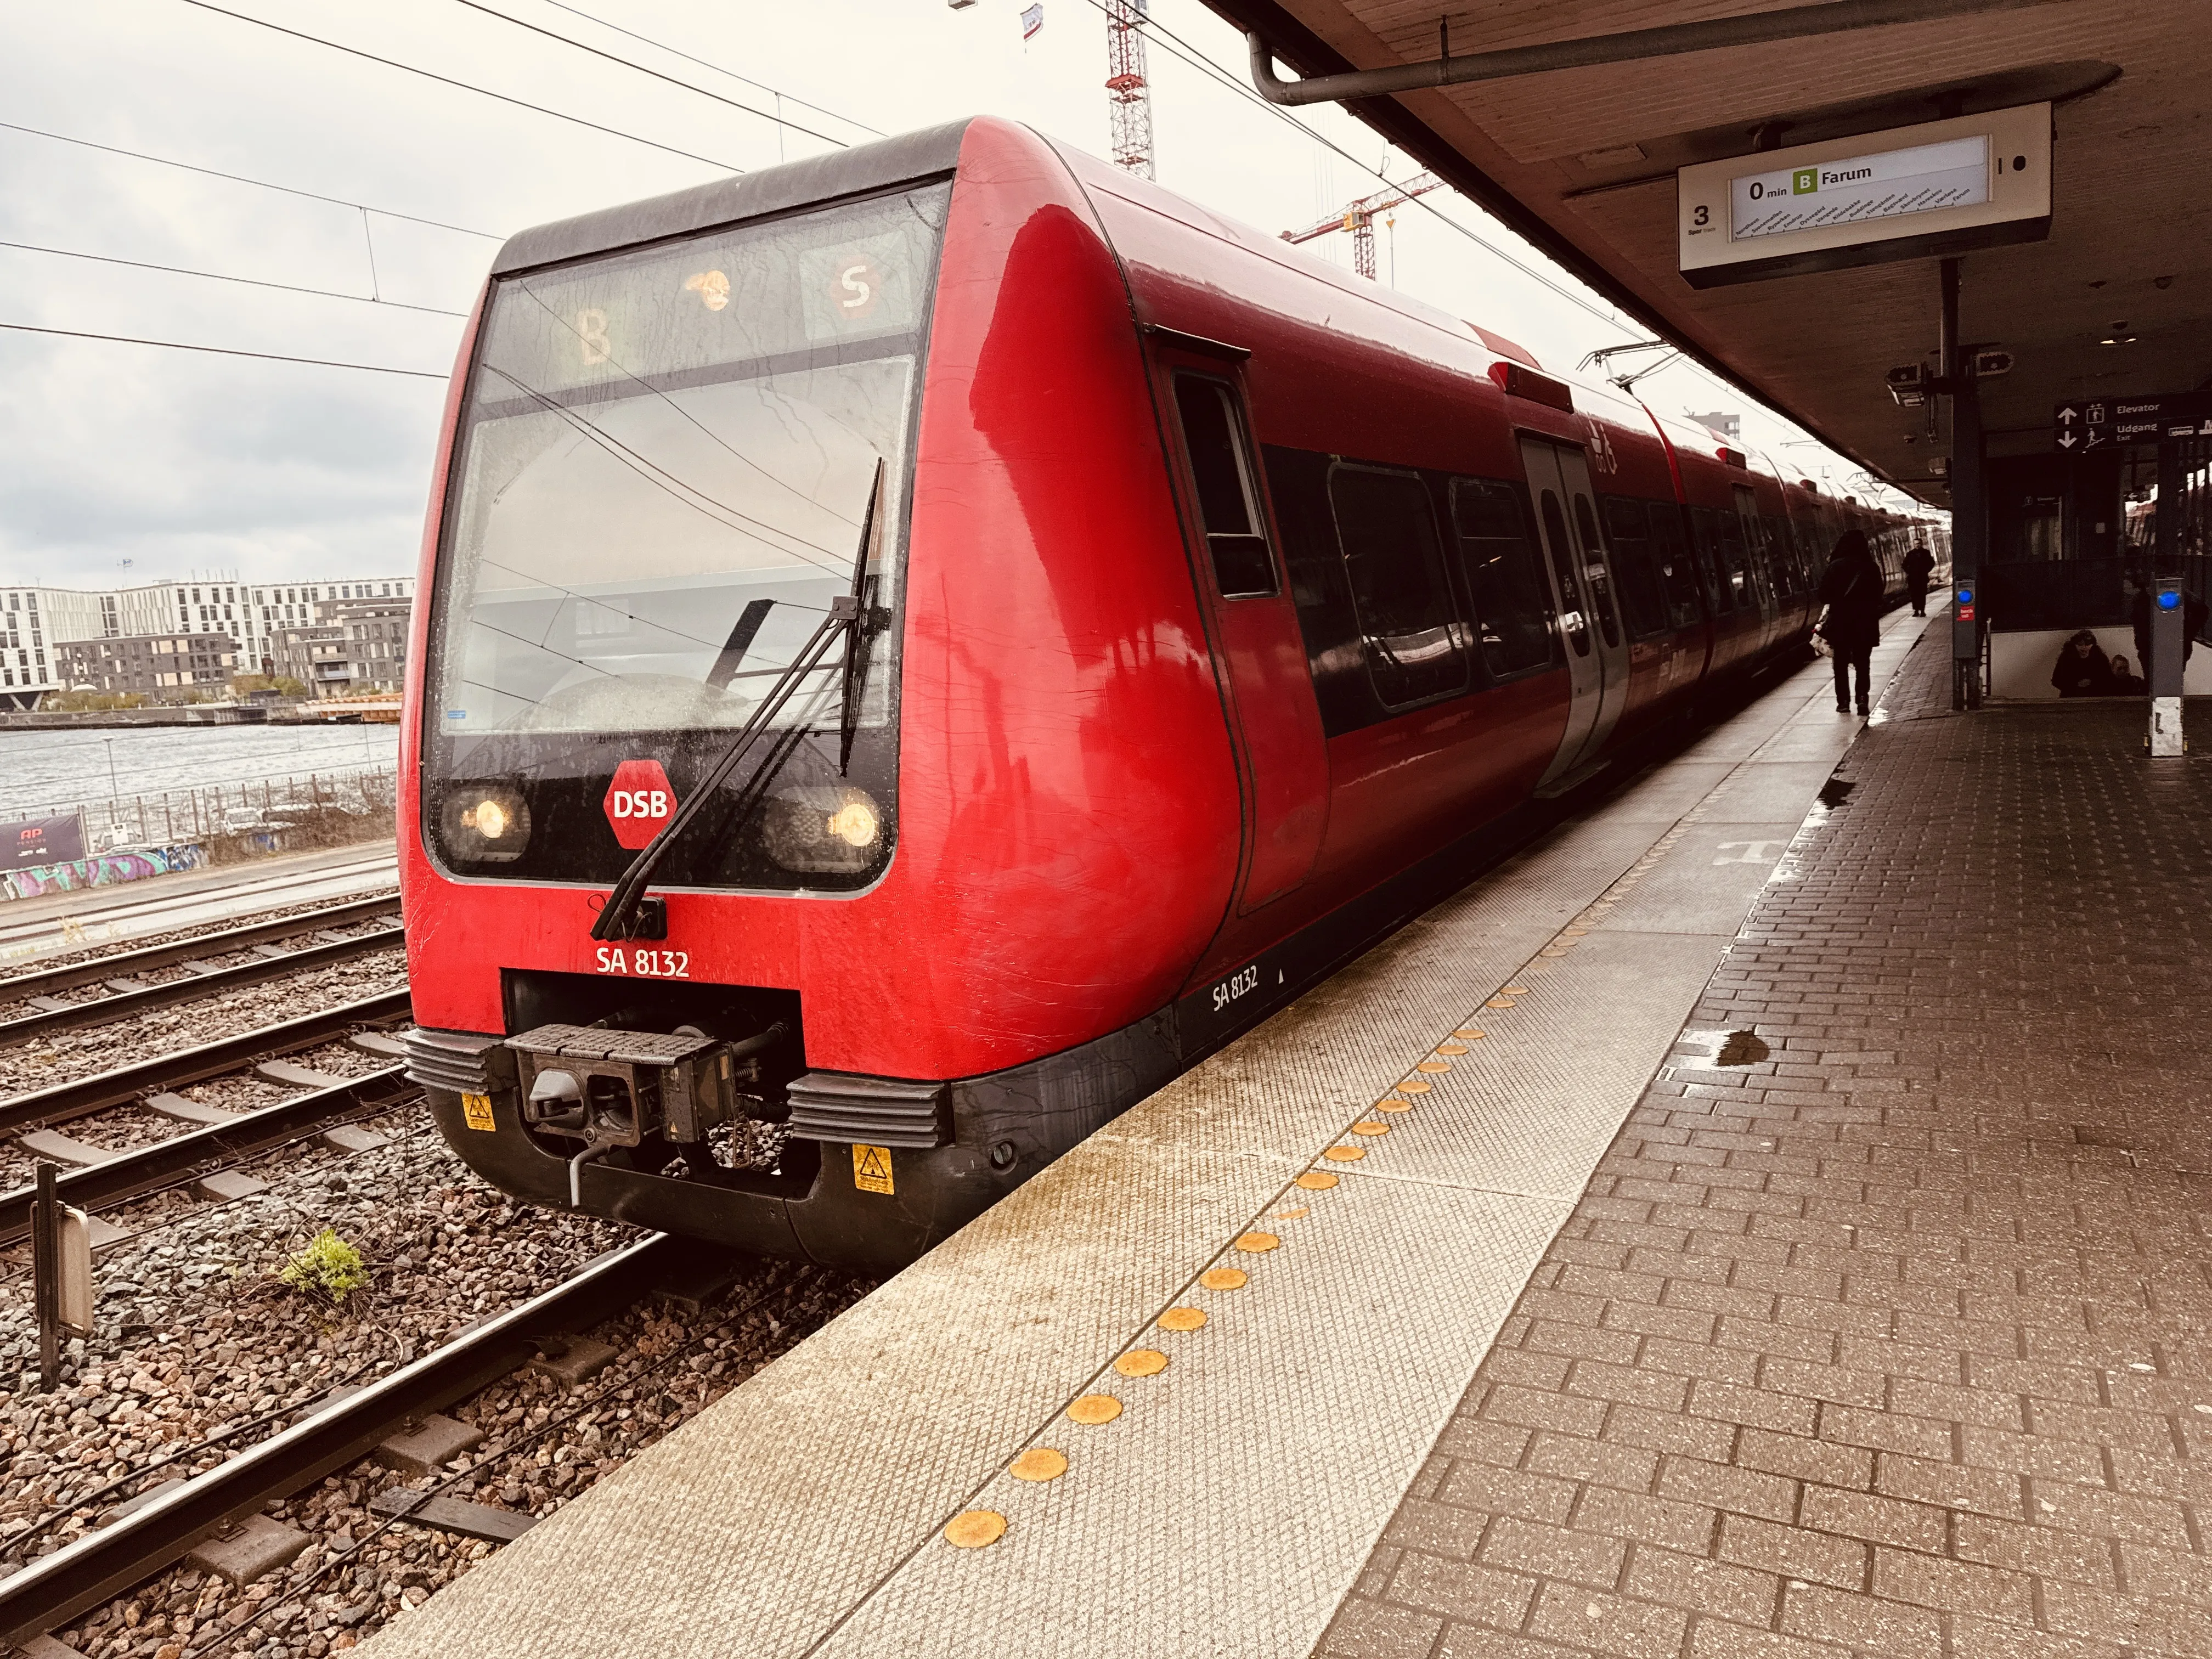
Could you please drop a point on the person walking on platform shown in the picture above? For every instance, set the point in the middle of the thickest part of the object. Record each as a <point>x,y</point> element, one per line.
<point>1852,589</point>
<point>1918,563</point>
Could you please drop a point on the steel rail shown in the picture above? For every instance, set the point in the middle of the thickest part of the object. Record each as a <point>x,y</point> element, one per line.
<point>199,1153</point>
<point>96,1093</point>
<point>53,1589</point>
<point>124,964</point>
<point>124,1003</point>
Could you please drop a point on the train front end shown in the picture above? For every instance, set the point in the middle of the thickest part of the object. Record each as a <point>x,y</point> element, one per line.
<point>762,551</point>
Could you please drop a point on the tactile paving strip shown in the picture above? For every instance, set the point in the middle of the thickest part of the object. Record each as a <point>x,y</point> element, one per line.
<point>808,1511</point>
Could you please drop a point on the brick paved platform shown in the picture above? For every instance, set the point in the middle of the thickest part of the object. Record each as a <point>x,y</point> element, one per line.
<point>1897,1341</point>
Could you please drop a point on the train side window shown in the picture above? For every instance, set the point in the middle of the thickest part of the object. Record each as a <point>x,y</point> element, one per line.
<point>1564,570</point>
<point>1600,583</point>
<point>1735,563</point>
<point>1641,600</point>
<point>1221,467</point>
<point>1387,530</point>
<point>1512,609</point>
<point>1677,573</point>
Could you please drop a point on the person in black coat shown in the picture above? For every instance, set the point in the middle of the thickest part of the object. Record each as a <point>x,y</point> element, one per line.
<point>2082,669</point>
<point>1851,587</point>
<point>1918,564</point>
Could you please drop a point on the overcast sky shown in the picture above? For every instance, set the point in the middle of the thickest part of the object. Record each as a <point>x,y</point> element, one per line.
<point>181,462</point>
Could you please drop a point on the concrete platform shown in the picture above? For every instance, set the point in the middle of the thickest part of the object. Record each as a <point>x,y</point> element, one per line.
<point>1352,1197</point>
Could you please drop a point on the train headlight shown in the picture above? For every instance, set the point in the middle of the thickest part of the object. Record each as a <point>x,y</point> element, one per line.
<point>833,828</point>
<point>486,823</point>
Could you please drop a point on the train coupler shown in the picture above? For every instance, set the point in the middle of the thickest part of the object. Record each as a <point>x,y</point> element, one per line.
<point>612,1087</point>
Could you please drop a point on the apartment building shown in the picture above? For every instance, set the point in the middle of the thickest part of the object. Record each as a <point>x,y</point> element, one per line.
<point>165,667</point>
<point>35,619</point>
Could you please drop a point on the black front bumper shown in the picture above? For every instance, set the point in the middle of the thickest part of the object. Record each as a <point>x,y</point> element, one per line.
<point>1001,1129</point>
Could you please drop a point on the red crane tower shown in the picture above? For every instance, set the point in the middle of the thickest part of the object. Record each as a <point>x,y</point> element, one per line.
<point>1132,107</point>
<point>1359,218</point>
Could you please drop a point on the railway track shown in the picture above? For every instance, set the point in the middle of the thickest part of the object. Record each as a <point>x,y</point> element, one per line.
<point>127,964</point>
<point>214,1140</point>
<point>130,998</point>
<point>55,1587</point>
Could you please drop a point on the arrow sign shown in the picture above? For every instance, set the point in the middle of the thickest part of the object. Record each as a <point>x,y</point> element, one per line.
<point>2067,415</point>
<point>2067,440</point>
<point>2146,419</point>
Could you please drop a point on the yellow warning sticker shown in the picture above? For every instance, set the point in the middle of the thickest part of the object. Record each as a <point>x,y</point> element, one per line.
<point>871,1168</point>
<point>475,1111</point>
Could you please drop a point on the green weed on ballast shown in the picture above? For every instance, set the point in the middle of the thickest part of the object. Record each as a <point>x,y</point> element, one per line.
<point>329,1267</point>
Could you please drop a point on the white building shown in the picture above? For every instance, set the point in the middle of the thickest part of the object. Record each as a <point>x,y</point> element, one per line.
<point>255,614</point>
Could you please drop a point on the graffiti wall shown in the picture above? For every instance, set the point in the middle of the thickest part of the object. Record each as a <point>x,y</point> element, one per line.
<point>104,870</point>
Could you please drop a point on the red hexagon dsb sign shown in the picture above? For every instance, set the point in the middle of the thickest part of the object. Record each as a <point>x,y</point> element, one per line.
<point>640,802</point>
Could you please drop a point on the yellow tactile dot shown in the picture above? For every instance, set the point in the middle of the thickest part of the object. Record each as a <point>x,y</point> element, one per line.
<point>1517,990</point>
<point>1228,1279</point>
<point>1182,1319</point>
<point>1574,933</point>
<point>1317,1180</point>
<point>1432,1066</point>
<point>1257,1243</point>
<point>971,1529</point>
<point>1469,1034</point>
<point>1094,1409</point>
<point>1371,1126</point>
<point>1552,950</point>
<point>1298,1214</point>
<point>1499,1002</point>
<point>1142,1362</point>
<point>1345,1154</point>
<point>1414,1086</point>
<point>1038,1463</point>
<point>1449,1049</point>
<point>1393,1105</point>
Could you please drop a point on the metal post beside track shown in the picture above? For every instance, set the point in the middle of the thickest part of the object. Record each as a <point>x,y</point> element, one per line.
<point>46,1276</point>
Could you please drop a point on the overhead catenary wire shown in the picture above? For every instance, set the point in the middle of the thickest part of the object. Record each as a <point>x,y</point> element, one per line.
<point>662,45</point>
<point>226,351</point>
<point>566,40</point>
<point>221,277</point>
<point>465,86</point>
<point>261,184</point>
<point>1182,49</point>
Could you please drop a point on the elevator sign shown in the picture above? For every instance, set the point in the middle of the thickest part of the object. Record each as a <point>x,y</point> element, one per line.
<point>1938,188</point>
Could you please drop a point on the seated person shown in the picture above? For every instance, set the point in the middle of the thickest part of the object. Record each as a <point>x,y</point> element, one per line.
<point>2082,670</point>
<point>2125,684</point>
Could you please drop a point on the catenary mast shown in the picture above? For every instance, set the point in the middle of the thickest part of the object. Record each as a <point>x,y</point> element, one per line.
<point>1131,98</point>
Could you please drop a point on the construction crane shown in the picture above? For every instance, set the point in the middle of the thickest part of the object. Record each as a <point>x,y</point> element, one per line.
<point>1359,218</point>
<point>1132,99</point>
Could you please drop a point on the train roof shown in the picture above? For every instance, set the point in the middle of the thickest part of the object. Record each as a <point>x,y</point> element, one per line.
<point>906,159</point>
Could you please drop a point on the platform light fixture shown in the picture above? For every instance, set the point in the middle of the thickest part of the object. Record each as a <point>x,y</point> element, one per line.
<point>1989,362</point>
<point>1908,386</point>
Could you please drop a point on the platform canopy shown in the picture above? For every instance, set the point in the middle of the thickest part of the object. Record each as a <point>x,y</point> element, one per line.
<point>1582,160</point>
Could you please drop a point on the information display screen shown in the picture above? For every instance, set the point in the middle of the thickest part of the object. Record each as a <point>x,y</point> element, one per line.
<point>1857,189</point>
<point>1930,190</point>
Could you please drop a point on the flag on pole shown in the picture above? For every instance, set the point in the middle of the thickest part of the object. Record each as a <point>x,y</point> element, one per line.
<point>1033,20</point>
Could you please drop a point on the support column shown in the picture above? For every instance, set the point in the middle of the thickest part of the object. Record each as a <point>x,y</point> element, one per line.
<point>2168,610</point>
<point>1969,513</point>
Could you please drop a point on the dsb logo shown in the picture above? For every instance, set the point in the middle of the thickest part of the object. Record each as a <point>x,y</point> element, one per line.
<point>638,803</point>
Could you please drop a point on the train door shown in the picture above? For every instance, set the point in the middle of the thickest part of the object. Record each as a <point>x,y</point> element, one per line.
<point>1597,647</point>
<point>1283,754</point>
<point>1760,560</point>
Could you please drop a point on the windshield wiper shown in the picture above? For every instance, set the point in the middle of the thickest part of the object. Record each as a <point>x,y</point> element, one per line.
<point>621,916</point>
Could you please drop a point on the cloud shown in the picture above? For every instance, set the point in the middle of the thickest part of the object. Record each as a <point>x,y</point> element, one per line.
<point>180,461</point>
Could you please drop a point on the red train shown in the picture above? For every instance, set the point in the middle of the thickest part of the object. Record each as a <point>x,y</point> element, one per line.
<point>929,641</point>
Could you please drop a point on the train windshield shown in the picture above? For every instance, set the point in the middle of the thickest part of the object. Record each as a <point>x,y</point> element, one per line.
<point>663,478</point>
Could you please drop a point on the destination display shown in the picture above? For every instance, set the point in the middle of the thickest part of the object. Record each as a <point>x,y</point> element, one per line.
<point>1938,188</point>
<point>1858,189</point>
